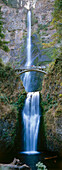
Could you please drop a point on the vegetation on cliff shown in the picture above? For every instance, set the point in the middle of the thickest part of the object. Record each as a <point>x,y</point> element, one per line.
<point>57,18</point>
<point>57,25</point>
<point>52,102</point>
<point>3,43</point>
<point>52,84</point>
<point>51,88</point>
<point>12,94</point>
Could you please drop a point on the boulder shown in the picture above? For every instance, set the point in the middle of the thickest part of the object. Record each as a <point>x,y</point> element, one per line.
<point>16,164</point>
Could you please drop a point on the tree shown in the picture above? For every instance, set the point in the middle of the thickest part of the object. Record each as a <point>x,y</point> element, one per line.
<point>2,36</point>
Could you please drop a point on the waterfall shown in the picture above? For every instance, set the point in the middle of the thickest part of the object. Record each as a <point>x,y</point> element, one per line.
<point>31,120</point>
<point>30,114</point>
<point>26,80</point>
<point>29,39</point>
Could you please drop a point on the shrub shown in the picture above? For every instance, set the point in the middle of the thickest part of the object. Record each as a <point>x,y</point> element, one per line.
<point>41,166</point>
<point>60,95</point>
<point>5,48</point>
<point>5,1</point>
<point>2,35</point>
<point>4,99</point>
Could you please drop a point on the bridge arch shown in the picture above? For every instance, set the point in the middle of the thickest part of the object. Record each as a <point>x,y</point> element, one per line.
<point>29,70</point>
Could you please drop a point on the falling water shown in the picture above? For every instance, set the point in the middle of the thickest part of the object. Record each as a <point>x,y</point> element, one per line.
<point>29,40</point>
<point>30,114</point>
<point>26,80</point>
<point>31,119</point>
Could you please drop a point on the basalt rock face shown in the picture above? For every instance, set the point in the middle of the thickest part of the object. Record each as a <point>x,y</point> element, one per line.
<point>42,30</point>
<point>15,31</point>
<point>52,102</point>
<point>14,28</point>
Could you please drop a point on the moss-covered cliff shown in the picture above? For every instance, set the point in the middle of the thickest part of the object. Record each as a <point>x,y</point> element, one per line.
<point>12,96</point>
<point>52,100</point>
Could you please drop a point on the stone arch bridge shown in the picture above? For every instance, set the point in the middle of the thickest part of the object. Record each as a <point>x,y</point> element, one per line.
<point>22,70</point>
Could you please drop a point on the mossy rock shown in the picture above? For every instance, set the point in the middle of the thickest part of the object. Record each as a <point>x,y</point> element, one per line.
<point>52,104</point>
<point>11,99</point>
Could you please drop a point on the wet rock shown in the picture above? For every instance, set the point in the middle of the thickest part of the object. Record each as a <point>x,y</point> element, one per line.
<point>16,164</point>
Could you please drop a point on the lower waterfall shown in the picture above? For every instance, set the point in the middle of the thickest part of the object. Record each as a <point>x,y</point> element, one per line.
<point>31,120</point>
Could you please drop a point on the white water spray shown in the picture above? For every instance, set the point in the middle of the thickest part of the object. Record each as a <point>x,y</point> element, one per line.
<point>31,119</point>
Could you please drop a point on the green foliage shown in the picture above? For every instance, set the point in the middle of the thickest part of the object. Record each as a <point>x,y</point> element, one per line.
<point>5,1</point>
<point>2,36</point>
<point>55,52</point>
<point>41,166</point>
<point>2,71</point>
<point>6,71</point>
<point>5,48</point>
<point>34,20</point>
<point>10,101</point>
<point>48,52</point>
<point>1,43</point>
<point>58,111</point>
<point>43,17</point>
<point>52,96</point>
<point>5,135</point>
<point>1,61</point>
<point>21,99</point>
<point>57,17</point>
<point>4,99</point>
<point>1,23</point>
<point>57,24</point>
<point>60,95</point>
<point>43,27</point>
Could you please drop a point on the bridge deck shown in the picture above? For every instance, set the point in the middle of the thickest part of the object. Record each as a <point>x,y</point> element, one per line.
<point>28,69</point>
<point>31,67</point>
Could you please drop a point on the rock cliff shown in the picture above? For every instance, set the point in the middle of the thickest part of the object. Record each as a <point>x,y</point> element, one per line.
<point>15,31</point>
<point>52,102</point>
<point>12,96</point>
<point>13,28</point>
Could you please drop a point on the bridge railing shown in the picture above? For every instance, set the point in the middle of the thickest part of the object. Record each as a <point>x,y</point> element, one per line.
<point>31,67</point>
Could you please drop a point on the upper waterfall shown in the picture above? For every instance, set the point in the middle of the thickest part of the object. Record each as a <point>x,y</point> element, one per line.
<point>27,76</point>
<point>29,39</point>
